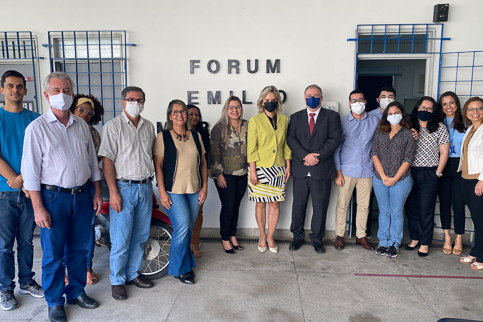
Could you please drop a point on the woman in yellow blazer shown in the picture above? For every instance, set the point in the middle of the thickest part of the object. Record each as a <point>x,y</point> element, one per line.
<point>269,159</point>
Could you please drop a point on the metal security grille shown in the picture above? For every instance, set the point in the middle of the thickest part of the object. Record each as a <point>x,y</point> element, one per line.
<point>462,73</point>
<point>397,39</point>
<point>96,61</point>
<point>20,47</point>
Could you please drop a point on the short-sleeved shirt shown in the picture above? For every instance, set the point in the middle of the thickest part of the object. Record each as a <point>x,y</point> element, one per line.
<point>12,132</point>
<point>187,178</point>
<point>455,137</point>
<point>427,152</point>
<point>394,152</point>
<point>230,157</point>
<point>129,147</point>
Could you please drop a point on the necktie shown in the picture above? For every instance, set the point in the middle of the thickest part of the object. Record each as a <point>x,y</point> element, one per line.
<point>311,122</point>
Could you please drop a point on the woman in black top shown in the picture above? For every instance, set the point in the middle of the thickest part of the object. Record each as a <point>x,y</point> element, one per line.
<point>431,157</point>
<point>196,122</point>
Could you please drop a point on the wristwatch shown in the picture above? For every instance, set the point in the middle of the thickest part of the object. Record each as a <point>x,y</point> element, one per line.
<point>439,174</point>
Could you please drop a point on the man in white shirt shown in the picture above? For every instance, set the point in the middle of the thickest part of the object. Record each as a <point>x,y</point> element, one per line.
<point>59,166</point>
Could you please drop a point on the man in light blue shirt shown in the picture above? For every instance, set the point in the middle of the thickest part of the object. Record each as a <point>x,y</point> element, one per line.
<point>386,95</point>
<point>16,213</point>
<point>354,167</point>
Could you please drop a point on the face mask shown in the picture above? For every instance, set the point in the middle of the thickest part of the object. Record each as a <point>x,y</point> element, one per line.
<point>270,106</point>
<point>358,107</point>
<point>384,102</point>
<point>394,119</point>
<point>424,115</point>
<point>312,102</point>
<point>60,101</point>
<point>134,108</point>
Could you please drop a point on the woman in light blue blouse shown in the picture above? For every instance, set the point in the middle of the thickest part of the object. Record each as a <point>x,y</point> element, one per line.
<point>450,193</point>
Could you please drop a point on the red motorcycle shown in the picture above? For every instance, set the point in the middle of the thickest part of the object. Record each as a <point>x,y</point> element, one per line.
<point>156,249</point>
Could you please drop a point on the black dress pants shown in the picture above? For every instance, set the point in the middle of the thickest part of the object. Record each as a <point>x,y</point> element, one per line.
<point>230,198</point>
<point>475,204</point>
<point>320,190</point>
<point>450,194</point>
<point>420,204</point>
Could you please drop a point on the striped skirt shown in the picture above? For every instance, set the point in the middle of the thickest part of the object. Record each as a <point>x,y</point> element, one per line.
<point>270,187</point>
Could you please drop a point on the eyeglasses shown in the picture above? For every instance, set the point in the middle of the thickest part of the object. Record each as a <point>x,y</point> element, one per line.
<point>357,100</point>
<point>83,110</point>
<point>132,100</point>
<point>175,113</point>
<point>424,108</point>
<point>478,109</point>
<point>234,107</point>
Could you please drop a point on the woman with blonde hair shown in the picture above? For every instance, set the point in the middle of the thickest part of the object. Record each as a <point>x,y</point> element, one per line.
<point>269,160</point>
<point>228,167</point>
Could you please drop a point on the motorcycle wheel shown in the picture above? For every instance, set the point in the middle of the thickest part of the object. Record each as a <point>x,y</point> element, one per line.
<point>156,250</point>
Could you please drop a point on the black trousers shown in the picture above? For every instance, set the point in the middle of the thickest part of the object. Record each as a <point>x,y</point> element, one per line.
<point>475,204</point>
<point>230,198</point>
<point>420,204</point>
<point>450,194</point>
<point>320,190</point>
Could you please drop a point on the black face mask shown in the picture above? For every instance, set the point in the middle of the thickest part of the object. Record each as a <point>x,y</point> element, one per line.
<point>424,115</point>
<point>270,106</point>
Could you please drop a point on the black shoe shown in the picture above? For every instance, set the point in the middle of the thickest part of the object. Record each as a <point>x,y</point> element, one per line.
<point>318,247</point>
<point>140,282</point>
<point>381,250</point>
<point>238,247</point>
<point>57,313</point>
<point>391,251</point>
<point>411,247</point>
<point>186,278</point>
<point>421,254</point>
<point>192,274</point>
<point>119,292</point>
<point>84,302</point>
<point>228,251</point>
<point>295,244</point>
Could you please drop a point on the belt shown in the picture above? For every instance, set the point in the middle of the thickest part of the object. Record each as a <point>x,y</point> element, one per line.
<point>72,191</point>
<point>143,181</point>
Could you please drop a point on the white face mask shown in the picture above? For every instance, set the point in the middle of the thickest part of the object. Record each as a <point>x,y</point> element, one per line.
<point>60,101</point>
<point>134,108</point>
<point>358,107</point>
<point>394,119</point>
<point>384,102</point>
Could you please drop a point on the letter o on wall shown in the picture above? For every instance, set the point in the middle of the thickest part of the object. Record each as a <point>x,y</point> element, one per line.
<point>217,64</point>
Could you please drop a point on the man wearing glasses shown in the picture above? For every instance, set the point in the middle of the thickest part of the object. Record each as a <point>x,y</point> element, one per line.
<point>127,156</point>
<point>354,167</point>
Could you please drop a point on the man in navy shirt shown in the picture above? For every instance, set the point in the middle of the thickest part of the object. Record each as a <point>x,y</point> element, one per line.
<point>16,213</point>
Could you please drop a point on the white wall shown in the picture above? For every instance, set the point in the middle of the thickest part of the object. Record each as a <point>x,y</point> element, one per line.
<point>309,37</point>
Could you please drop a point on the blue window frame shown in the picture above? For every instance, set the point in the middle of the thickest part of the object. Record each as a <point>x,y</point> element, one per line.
<point>16,48</point>
<point>462,73</point>
<point>96,61</point>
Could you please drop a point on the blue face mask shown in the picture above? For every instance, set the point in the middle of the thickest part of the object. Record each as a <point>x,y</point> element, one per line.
<point>312,102</point>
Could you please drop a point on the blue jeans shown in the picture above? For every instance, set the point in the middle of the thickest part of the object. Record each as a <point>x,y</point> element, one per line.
<point>130,230</point>
<point>16,221</point>
<point>183,213</point>
<point>391,204</point>
<point>71,217</point>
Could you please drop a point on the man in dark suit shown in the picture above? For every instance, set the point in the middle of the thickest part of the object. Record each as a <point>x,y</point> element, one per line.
<point>314,133</point>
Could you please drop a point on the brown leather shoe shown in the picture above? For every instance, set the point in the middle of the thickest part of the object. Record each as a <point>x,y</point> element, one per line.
<point>140,282</point>
<point>119,292</point>
<point>364,243</point>
<point>339,242</point>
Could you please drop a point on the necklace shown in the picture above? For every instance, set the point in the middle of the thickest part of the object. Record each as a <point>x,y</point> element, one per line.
<point>181,137</point>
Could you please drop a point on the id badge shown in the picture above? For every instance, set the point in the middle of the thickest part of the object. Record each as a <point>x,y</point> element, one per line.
<point>452,149</point>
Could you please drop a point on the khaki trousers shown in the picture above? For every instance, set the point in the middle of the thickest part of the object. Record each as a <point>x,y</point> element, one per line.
<point>364,188</point>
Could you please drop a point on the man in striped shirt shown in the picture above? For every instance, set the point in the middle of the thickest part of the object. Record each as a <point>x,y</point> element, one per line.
<point>127,155</point>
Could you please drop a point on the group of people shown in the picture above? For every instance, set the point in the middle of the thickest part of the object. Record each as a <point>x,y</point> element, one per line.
<point>50,172</point>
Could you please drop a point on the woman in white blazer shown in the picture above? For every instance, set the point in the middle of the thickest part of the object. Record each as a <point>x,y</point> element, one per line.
<point>471,166</point>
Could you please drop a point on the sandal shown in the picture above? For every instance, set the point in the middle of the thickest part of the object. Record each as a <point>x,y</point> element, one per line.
<point>457,251</point>
<point>467,260</point>
<point>91,278</point>
<point>449,250</point>
<point>66,280</point>
<point>477,266</point>
<point>197,253</point>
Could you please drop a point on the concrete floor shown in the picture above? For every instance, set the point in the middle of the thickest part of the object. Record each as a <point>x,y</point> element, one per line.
<point>289,286</point>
